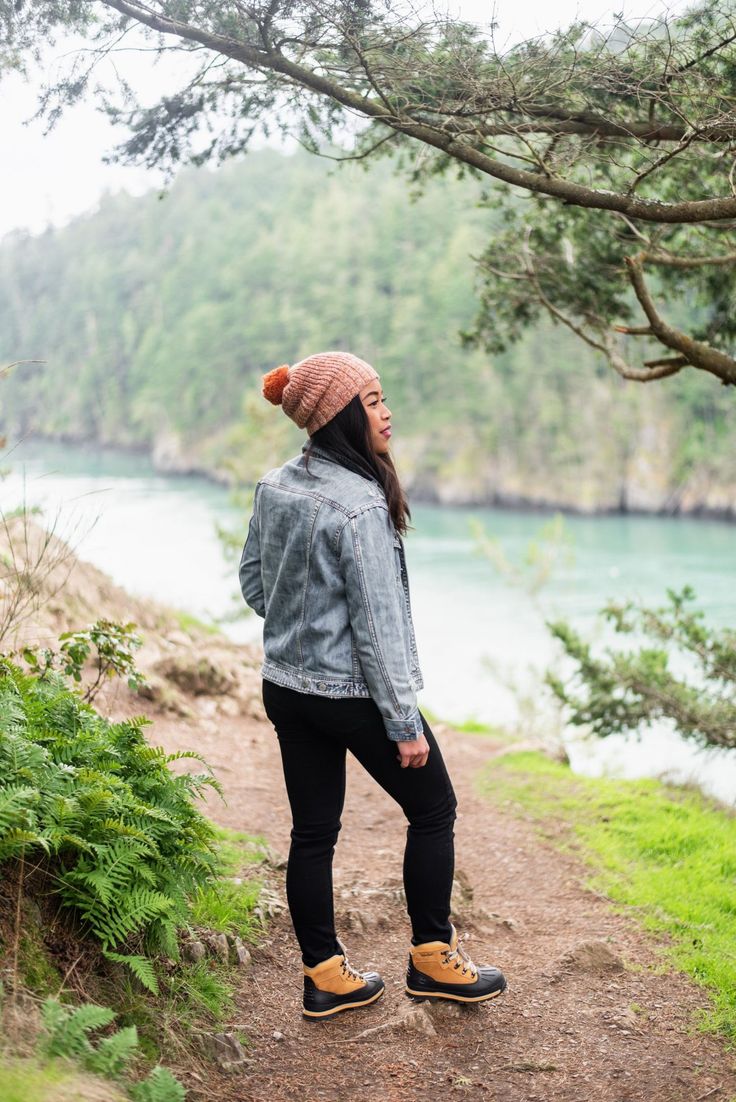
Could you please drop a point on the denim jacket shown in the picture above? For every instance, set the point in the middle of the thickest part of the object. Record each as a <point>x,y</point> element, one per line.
<point>324,566</point>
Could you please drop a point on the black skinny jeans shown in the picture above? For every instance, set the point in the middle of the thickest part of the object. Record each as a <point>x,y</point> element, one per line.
<point>314,733</point>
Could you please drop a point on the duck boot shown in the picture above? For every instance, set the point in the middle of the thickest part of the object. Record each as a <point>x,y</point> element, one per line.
<point>442,970</point>
<point>334,985</point>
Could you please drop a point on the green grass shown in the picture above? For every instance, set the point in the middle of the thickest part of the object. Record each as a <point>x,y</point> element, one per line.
<point>667,855</point>
<point>238,850</point>
<point>187,620</point>
<point>475,727</point>
<point>227,905</point>
<point>30,1080</point>
<point>470,726</point>
<point>228,908</point>
<point>197,995</point>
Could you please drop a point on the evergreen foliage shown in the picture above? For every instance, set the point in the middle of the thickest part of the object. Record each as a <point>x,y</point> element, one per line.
<point>628,124</point>
<point>148,302</point>
<point>622,691</point>
<point>157,317</point>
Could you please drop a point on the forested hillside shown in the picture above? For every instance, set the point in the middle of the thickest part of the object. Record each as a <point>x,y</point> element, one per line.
<point>156,317</point>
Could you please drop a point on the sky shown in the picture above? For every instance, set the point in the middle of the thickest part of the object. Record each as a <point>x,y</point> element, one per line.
<point>53,177</point>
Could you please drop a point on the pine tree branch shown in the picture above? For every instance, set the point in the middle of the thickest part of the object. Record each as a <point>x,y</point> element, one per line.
<point>649,210</point>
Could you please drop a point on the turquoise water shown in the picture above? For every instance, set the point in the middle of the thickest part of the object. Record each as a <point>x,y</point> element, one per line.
<point>482,641</point>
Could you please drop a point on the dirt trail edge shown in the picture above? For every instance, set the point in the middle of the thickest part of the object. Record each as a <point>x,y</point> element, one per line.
<point>590,1013</point>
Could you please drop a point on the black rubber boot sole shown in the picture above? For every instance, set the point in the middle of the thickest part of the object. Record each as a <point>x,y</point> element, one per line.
<point>425,996</point>
<point>325,1005</point>
<point>490,984</point>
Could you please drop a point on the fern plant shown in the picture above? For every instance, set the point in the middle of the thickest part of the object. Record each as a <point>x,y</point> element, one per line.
<point>68,1033</point>
<point>124,843</point>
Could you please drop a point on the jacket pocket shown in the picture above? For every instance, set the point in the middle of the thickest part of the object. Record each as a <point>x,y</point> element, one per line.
<point>398,561</point>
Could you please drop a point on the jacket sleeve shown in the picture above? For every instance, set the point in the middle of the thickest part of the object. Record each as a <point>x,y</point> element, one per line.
<point>366,557</point>
<point>249,572</point>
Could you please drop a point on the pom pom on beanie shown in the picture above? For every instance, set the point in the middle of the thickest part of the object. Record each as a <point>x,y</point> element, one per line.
<point>274,383</point>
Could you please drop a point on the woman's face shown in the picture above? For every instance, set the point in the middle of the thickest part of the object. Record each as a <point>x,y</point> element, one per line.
<point>379,415</point>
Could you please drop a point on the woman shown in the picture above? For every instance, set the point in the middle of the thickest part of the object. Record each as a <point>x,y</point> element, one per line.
<point>324,564</point>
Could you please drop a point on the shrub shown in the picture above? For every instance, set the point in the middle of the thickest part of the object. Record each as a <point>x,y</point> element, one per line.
<point>621,691</point>
<point>114,644</point>
<point>122,839</point>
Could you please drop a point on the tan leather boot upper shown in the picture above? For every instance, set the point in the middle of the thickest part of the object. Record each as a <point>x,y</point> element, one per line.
<point>444,961</point>
<point>335,975</point>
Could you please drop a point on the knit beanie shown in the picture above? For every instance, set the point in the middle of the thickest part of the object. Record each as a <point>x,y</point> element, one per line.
<point>315,389</point>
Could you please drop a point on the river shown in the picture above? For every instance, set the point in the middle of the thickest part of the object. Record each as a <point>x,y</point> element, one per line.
<point>481,639</point>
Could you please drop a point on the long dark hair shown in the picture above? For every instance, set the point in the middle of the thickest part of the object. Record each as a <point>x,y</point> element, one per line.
<point>347,437</point>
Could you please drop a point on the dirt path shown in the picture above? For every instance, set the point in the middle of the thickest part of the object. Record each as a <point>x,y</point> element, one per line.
<point>565,1030</point>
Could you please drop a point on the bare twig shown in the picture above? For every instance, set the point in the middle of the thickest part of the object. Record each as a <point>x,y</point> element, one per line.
<point>7,368</point>
<point>16,930</point>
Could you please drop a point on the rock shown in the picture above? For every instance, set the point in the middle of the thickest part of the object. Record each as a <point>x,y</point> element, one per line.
<point>388,895</point>
<point>229,706</point>
<point>462,899</point>
<point>441,1010</point>
<point>273,857</point>
<point>160,692</point>
<point>463,886</point>
<point>195,674</point>
<point>269,904</point>
<point>239,955</point>
<point>249,657</point>
<point>354,920</point>
<point>224,1048</point>
<point>255,710</point>
<point>194,950</point>
<point>417,1020</point>
<point>208,708</point>
<point>492,920</point>
<point>167,450</point>
<point>362,922</point>
<point>625,1020</point>
<point>33,911</point>
<point>277,1035</point>
<point>592,956</point>
<point>219,946</point>
<point>412,1019</point>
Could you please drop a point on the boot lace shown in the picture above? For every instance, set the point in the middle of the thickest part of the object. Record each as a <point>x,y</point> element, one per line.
<point>345,967</point>
<point>347,970</point>
<point>460,959</point>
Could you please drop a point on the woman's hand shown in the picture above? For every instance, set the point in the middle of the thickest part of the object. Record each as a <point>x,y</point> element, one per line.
<point>413,752</point>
